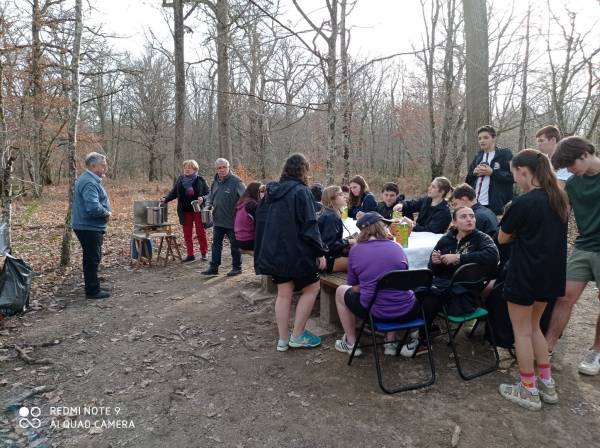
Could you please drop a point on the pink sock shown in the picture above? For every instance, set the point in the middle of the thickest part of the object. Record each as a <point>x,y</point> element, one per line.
<point>544,371</point>
<point>528,379</point>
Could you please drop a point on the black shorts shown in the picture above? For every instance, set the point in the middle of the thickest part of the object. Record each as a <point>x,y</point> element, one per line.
<point>526,301</point>
<point>299,282</point>
<point>352,301</point>
<point>246,245</point>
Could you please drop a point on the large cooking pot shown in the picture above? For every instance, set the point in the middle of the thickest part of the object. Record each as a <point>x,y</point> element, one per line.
<point>156,216</point>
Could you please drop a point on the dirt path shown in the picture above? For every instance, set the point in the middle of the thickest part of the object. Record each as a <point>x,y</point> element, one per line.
<point>189,364</point>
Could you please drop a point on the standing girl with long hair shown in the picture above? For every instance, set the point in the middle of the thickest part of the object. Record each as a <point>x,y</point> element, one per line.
<point>289,248</point>
<point>536,224</point>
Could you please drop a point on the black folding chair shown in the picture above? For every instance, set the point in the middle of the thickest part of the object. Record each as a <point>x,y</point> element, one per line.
<point>399,280</point>
<point>474,277</point>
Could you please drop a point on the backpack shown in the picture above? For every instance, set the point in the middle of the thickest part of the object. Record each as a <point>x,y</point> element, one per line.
<point>497,308</point>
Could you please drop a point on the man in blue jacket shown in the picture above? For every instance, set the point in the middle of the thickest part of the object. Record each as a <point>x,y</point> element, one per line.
<point>90,215</point>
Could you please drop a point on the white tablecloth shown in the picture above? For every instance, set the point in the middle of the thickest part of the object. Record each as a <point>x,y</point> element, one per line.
<point>420,244</point>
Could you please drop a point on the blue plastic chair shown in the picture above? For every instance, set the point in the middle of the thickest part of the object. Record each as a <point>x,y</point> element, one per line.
<point>399,280</point>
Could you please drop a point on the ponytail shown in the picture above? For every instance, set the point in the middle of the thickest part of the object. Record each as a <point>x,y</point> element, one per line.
<point>539,165</point>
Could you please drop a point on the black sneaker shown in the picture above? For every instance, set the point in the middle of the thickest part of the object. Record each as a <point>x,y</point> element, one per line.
<point>188,259</point>
<point>101,294</point>
<point>234,272</point>
<point>210,271</point>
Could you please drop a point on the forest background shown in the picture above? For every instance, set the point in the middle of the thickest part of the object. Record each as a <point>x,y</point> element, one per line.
<point>254,80</point>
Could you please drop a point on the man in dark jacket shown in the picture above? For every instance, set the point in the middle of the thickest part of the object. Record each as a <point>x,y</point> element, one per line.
<point>489,172</point>
<point>486,221</point>
<point>225,191</point>
<point>390,193</point>
<point>90,215</point>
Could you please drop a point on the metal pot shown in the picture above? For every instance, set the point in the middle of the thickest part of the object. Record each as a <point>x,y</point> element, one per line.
<point>196,206</point>
<point>206,215</point>
<point>156,216</point>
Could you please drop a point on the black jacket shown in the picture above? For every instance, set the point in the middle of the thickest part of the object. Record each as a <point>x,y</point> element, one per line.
<point>332,232</point>
<point>367,204</point>
<point>184,203</point>
<point>501,180</point>
<point>386,211</point>
<point>486,220</point>
<point>476,247</point>
<point>434,219</point>
<point>287,241</point>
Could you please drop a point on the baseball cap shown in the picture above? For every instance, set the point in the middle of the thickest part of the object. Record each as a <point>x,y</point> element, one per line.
<point>370,218</point>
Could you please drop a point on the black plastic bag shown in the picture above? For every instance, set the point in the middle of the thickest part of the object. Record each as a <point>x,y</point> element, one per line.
<point>15,286</point>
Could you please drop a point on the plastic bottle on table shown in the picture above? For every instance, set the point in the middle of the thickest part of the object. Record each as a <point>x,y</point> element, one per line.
<point>344,213</point>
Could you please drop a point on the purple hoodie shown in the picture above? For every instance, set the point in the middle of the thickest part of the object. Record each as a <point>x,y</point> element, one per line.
<point>367,261</point>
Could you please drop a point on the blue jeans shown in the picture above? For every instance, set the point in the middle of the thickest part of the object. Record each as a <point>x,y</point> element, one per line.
<point>217,248</point>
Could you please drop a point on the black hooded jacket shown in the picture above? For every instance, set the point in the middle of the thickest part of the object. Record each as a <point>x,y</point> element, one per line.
<point>287,241</point>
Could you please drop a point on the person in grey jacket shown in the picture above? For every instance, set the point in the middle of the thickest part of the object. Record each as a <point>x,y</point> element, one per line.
<point>225,191</point>
<point>90,214</point>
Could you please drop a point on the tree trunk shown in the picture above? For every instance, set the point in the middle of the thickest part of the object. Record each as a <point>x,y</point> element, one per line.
<point>65,253</point>
<point>179,88</point>
<point>36,93</point>
<point>345,94</point>
<point>477,68</point>
<point>331,94</point>
<point>525,68</point>
<point>223,100</point>
<point>6,161</point>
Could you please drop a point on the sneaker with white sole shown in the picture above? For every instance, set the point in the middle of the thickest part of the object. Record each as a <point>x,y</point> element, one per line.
<point>341,345</point>
<point>305,340</point>
<point>517,393</point>
<point>547,391</point>
<point>409,349</point>
<point>390,349</point>
<point>590,365</point>
<point>282,345</point>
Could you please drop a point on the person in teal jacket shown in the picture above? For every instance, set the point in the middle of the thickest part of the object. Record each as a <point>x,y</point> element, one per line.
<point>89,219</point>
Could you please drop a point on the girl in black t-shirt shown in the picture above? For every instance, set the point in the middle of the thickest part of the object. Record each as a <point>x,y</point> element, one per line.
<point>536,225</point>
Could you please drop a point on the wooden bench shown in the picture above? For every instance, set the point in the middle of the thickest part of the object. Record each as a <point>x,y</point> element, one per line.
<point>328,309</point>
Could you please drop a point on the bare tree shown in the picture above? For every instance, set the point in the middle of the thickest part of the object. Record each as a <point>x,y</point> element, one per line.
<point>477,65</point>
<point>522,129</point>
<point>65,253</point>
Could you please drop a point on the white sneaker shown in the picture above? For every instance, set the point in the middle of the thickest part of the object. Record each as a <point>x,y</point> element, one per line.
<point>390,348</point>
<point>590,364</point>
<point>341,345</point>
<point>408,349</point>
<point>527,398</point>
